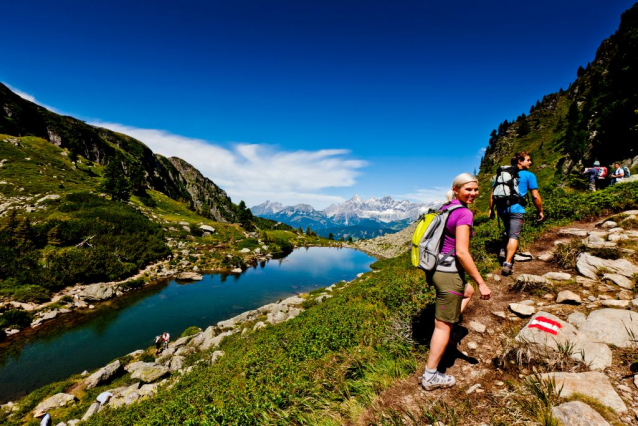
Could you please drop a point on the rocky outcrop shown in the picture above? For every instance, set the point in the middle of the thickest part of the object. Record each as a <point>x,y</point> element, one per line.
<point>149,372</point>
<point>102,375</point>
<point>589,265</point>
<point>189,276</point>
<point>98,292</point>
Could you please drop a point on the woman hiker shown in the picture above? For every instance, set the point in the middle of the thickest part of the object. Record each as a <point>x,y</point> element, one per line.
<point>453,293</point>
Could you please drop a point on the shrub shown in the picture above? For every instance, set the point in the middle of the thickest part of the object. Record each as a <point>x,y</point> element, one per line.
<point>190,331</point>
<point>15,318</point>
<point>133,284</point>
<point>29,293</point>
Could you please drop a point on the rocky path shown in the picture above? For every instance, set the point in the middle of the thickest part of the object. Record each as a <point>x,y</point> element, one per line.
<point>579,326</point>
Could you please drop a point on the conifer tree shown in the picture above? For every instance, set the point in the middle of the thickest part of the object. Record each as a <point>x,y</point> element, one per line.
<point>114,183</point>
<point>331,237</point>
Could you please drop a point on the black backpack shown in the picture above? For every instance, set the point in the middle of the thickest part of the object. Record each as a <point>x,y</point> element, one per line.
<point>505,190</point>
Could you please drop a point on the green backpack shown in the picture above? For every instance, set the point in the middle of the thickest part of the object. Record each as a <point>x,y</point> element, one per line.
<point>428,237</point>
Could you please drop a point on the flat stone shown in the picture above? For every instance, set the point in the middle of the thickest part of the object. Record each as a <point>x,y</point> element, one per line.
<point>619,280</point>
<point>526,280</point>
<point>244,250</point>
<point>616,303</point>
<point>612,326</point>
<point>215,356</point>
<point>207,228</point>
<point>499,314</point>
<point>236,271</point>
<point>576,413</point>
<point>127,396</point>
<point>593,384</point>
<point>609,224</point>
<point>102,375</point>
<point>573,232</point>
<point>558,276</point>
<point>134,366</point>
<point>477,326</point>
<point>634,302</point>
<point>614,238</point>
<point>588,266</point>
<point>56,401</point>
<point>259,325</point>
<point>92,410</point>
<point>585,282</point>
<point>616,230</point>
<point>522,310</point>
<point>523,257</point>
<point>569,297</point>
<point>546,336</point>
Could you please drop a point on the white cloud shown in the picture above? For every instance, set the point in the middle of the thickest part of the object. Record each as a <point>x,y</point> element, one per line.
<point>255,173</point>
<point>427,195</point>
<point>31,98</point>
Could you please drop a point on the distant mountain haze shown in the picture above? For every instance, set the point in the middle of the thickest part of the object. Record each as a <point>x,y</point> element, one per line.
<point>356,217</point>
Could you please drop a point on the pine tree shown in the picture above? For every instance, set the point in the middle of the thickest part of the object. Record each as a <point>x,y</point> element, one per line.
<point>308,231</point>
<point>350,239</point>
<point>114,183</point>
<point>245,216</point>
<point>331,237</point>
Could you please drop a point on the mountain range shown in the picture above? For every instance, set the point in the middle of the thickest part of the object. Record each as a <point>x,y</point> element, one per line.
<point>356,217</point>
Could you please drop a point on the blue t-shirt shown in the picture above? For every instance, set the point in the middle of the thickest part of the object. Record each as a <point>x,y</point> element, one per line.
<point>526,182</point>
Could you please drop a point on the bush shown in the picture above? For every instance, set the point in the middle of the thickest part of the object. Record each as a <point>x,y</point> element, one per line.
<point>133,284</point>
<point>15,318</point>
<point>190,331</point>
<point>27,293</point>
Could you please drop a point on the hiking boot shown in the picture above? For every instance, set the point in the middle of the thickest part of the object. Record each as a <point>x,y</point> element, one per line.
<point>437,380</point>
<point>507,269</point>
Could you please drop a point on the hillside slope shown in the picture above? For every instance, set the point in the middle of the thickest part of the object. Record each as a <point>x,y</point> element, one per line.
<point>171,176</point>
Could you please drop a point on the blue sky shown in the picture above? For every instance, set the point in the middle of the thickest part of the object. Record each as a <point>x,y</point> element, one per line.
<point>304,101</point>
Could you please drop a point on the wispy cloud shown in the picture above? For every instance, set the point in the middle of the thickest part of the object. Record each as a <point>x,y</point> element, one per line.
<point>427,195</point>
<point>255,172</point>
<point>31,98</point>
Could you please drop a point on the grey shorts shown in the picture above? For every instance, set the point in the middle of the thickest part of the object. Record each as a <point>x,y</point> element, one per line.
<point>513,223</point>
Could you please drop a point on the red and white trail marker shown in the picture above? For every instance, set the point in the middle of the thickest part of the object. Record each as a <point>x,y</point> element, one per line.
<point>545,324</point>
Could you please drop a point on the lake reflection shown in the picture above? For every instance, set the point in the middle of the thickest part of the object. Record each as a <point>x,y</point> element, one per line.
<point>132,322</point>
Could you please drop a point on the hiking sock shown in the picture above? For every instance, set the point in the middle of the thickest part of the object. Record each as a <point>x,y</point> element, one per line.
<point>429,373</point>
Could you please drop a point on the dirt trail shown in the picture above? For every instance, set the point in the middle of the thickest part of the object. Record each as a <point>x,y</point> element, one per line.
<point>471,353</point>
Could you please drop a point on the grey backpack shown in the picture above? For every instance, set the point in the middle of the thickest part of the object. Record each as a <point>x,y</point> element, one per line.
<point>427,240</point>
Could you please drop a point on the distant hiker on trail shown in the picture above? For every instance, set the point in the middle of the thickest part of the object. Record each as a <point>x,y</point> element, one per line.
<point>165,339</point>
<point>158,344</point>
<point>453,292</point>
<point>591,174</point>
<point>601,175</point>
<point>511,186</point>
<point>618,174</point>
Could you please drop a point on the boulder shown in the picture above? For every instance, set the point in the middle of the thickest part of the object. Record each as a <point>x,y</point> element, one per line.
<point>259,326</point>
<point>134,366</point>
<point>176,362</point>
<point>294,300</point>
<point>189,276</point>
<point>207,228</point>
<point>569,297</point>
<point>92,410</point>
<point>546,257</point>
<point>619,280</point>
<point>612,326</point>
<point>98,292</point>
<point>625,295</point>
<point>215,341</point>
<point>609,224</point>
<point>244,250</point>
<point>588,266</point>
<point>558,276</point>
<point>522,310</point>
<point>150,373</point>
<point>202,337</point>
<point>48,197</point>
<point>236,271</point>
<point>56,401</point>
<point>102,375</point>
<point>573,232</point>
<point>127,396</point>
<point>593,384</point>
<point>614,238</point>
<point>576,413</point>
<point>546,332</point>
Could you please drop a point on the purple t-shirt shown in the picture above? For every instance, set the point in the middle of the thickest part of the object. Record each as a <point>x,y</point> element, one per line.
<point>458,217</point>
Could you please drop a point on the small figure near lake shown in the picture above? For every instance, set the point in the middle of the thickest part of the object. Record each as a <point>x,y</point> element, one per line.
<point>511,186</point>
<point>158,344</point>
<point>453,292</point>
<point>165,339</point>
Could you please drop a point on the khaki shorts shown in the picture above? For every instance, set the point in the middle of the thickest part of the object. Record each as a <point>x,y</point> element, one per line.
<point>449,295</point>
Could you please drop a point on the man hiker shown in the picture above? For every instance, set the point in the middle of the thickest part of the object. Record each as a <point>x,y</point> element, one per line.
<point>591,174</point>
<point>512,211</point>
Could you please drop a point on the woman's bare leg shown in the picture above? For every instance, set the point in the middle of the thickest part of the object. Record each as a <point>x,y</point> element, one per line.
<point>438,343</point>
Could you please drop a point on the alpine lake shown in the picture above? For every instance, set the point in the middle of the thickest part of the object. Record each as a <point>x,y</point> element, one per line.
<point>76,342</point>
